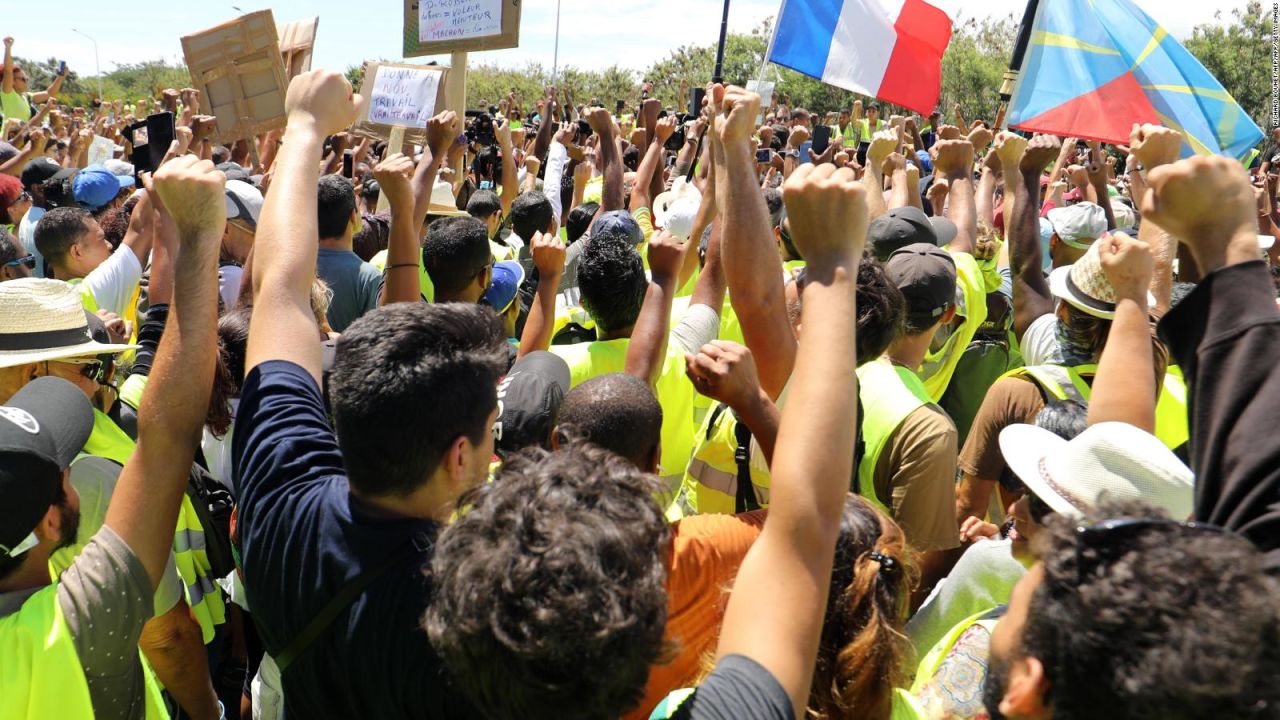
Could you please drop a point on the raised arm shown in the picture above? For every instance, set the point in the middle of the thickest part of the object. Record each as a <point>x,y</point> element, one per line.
<point>442,130</point>
<point>726,372</point>
<point>882,144</point>
<point>1031,297</point>
<point>641,189</point>
<point>543,139</point>
<point>648,346</point>
<point>283,327</point>
<point>144,509</point>
<point>7,85</point>
<point>510,184</point>
<point>752,266</point>
<point>548,257</point>
<point>776,611</point>
<point>1096,170</point>
<point>1124,390</point>
<point>395,179</point>
<point>955,163</point>
<point>610,160</point>
<point>1154,146</point>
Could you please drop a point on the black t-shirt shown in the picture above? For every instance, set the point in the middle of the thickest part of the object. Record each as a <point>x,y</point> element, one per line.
<point>303,536</point>
<point>738,689</point>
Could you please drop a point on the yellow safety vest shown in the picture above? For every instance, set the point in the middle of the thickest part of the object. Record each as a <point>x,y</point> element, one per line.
<point>940,365</point>
<point>425,286</point>
<point>41,676</point>
<point>711,480</point>
<point>1068,383</point>
<point>889,394</point>
<point>674,391</point>
<point>865,131</point>
<point>90,303</point>
<point>109,441</point>
<point>934,657</point>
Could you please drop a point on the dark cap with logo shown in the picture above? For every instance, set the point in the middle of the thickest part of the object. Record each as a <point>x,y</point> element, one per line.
<point>529,399</point>
<point>42,429</point>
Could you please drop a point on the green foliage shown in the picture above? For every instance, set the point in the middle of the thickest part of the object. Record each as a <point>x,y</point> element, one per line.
<point>1238,54</point>
<point>146,79</point>
<point>974,66</point>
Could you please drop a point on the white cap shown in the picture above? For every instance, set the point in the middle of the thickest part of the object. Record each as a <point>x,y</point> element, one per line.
<point>1110,460</point>
<point>680,216</point>
<point>243,203</point>
<point>1080,224</point>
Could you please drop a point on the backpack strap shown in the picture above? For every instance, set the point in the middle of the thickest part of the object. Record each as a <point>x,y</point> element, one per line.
<point>342,599</point>
<point>746,500</point>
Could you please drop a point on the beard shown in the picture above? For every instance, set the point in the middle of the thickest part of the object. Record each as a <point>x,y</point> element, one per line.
<point>994,687</point>
<point>70,525</point>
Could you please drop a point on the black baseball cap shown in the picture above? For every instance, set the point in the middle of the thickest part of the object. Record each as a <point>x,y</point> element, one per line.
<point>529,399</point>
<point>42,170</point>
<point>899,228</point>
<point>926,275</point>
<point>42,429</point>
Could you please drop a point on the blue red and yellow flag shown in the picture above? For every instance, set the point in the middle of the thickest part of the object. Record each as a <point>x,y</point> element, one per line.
<point>1095,67</point>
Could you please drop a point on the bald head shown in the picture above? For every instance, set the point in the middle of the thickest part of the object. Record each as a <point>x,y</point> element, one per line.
<point>617,412</point>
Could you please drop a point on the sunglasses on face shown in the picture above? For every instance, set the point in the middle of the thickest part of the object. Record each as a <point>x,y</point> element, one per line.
<point>29,261</point>
<point>95,370</point>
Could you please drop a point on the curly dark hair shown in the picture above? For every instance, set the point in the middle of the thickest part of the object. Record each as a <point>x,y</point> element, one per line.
<point>863,651</point>
<point>1172,623</point>
<point>551,594</point>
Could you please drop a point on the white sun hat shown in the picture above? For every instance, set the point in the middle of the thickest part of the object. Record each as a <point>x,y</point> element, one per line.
<point>443,202</point>
<point>681,189</point>
<point>1111,460</point>
<point>44,320</point>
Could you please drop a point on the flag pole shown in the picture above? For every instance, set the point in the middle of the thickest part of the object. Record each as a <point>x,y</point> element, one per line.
<point>773,35</point>
<point>1015,62</point>
<point>718,77</point>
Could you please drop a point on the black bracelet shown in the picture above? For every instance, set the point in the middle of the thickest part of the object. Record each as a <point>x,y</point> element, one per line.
<point>400,265</point>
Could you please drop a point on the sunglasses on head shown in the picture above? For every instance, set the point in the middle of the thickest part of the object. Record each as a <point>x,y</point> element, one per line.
<point>29,261</point>
<point>1102,543</point>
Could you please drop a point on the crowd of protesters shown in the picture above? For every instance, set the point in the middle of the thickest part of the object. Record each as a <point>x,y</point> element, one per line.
<point>728,411</point>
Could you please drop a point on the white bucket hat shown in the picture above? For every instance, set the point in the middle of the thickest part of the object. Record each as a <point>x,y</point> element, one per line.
<point>1113,460</point>
<point>44,320</point>
<point>681,189</point>
<point>443,202</point>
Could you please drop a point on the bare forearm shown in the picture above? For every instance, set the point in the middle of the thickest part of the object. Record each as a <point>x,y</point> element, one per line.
<point>287,230</point>
<point>972,496</point>
<point>543,141</point>
<point>1124,389</point>
<point>1031,297</point>
<point>640,197</point>
<point>611,164</point>
<point>403,255</point>
<point>984,202</point>
<point>648,344</point>
<point>873,180</point>
<point>173,646</point>
<point>961,211</point>
<point>510,178</point>
<point>540,323</point>
<point>898,195</point>
<point>1104,199</point>
<point>424,178</point>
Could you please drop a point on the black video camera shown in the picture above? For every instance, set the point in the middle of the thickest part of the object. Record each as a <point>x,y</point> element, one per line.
<point>480,128</point>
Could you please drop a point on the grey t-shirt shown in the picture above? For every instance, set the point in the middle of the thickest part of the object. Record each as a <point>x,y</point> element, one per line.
<point>738,689</point>
<point>355,285</point>
<point>105,598</point>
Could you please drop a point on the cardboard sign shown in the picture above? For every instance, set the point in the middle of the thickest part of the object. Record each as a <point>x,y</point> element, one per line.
<point>439,26</point>
<point>297,40</point>
<point>398,95</point>
<point>238,67</point>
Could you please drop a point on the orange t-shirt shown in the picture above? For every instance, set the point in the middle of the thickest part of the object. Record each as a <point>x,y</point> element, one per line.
<point>706,553</point>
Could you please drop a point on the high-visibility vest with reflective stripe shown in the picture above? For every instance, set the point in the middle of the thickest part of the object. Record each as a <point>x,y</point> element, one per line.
<point>109,441</point>
<point>940,365</point>
<point>934,657</point>
<point>87,299</point>
<point>711,480</point>
<point>889,394</point>
<point>90,303</point>
<point>1068,383</point>
<point>41,676</point>
<point>673,389</point>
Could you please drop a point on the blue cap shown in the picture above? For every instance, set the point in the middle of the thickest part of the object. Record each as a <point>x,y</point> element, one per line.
<point>924,161</point>
<point>95,186</point>
<point>507,277</point>
<point>619,225</point>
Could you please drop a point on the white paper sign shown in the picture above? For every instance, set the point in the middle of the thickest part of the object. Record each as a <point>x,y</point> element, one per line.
<point>458,19</point>
<point>100,150</point>
<point>764,88</point>
<point>404,96</point>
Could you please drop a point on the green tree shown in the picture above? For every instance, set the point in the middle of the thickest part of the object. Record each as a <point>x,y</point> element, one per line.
<point>974,65</point>
<point>1238,54</point>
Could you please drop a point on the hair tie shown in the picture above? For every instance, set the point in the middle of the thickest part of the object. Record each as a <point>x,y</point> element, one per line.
<point>887,564</point>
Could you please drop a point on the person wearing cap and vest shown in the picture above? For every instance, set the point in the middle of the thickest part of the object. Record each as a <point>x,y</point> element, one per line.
<point>173,640</point>
<point>70,646</point>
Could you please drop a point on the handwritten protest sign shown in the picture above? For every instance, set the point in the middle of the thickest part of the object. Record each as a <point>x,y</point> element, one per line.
<point>404,96</point>
<point>438,26</point>
<point>398,95</point>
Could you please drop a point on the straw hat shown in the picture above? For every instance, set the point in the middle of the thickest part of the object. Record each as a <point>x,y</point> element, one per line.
<point>45,320</point>
<point>1085,287</point>
<point>443,202</point>
<point>1112,459</point>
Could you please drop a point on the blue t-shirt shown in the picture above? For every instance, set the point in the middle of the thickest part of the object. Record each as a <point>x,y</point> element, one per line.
<point>303,536</point>
<point>354,282</point>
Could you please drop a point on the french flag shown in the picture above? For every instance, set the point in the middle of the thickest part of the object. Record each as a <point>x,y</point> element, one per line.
<point>889,49</point>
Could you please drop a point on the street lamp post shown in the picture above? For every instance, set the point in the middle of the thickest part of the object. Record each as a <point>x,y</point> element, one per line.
<point>96,65</point>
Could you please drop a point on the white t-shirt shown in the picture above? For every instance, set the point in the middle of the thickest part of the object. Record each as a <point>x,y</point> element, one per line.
<point>229,278</point>
<point>27,235</point>
<point>115,280</point>
<point>1040,343</point>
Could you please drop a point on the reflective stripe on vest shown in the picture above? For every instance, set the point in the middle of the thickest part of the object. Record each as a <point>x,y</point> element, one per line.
<point>711,481</point>
<point>971,304</point>
<point>934,657</point>
<point>109,441</point>
<point>1068,383</point>
<point>889,394</point>
<point>42,676</point>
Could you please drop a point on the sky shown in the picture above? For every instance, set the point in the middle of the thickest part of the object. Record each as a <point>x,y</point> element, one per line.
<point>593,33</point>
